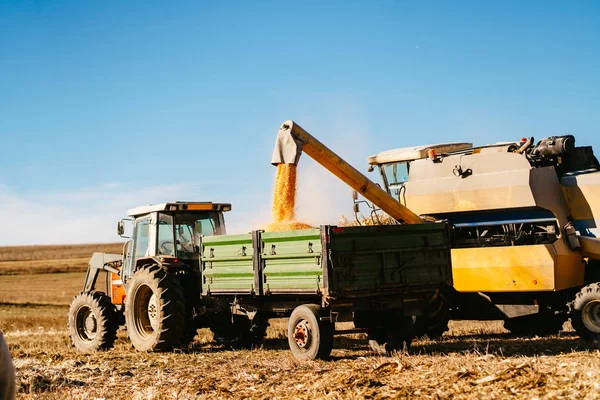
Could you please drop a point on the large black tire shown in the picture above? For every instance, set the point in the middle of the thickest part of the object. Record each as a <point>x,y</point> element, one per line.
<point>309,337</point>
<point>541,324</point>
<point>189,333</point>
<point>585,312</point>
<point>241,332</point>
<point>155,310</point>
<point>93,322</point>
<point>435,321</point>
<point>396,335</point>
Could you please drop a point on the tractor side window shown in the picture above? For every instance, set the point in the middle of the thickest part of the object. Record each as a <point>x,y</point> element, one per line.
<point>206,227</point>
<point>189,228</point>
<point>141,237</point>
<point>166,237</point>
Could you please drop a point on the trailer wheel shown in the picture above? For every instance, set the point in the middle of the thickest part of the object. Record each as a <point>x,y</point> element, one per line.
<point>585,312</point>
<point>309,337</point>
<point>93,322</point>
<point>392,337</point>
<point>155,310</point>
<point>435,322</point>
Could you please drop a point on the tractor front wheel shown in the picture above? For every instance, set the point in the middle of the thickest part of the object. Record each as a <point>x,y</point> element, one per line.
<point>93,322</point>
<point>155,310</point>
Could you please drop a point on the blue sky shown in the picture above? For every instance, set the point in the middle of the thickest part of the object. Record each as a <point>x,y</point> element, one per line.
<point>109,105</point>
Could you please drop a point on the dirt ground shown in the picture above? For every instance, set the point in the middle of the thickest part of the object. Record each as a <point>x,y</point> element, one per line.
<point>473,360</point>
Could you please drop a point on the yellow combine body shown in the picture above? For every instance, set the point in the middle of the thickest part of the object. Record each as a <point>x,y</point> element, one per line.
<point>525,220</point>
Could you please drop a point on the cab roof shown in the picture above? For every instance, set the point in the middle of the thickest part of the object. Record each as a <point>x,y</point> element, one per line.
<point>417,152</point>
<point>179,206</point>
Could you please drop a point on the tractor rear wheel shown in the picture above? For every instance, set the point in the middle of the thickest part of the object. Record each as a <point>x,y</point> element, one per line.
<point>93,322</point>
<point>309,336</point>
<point>155,310</point>
<point>585,312</point>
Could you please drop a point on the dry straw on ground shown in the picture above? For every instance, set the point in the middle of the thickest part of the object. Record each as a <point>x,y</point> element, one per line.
<point>473,360</point>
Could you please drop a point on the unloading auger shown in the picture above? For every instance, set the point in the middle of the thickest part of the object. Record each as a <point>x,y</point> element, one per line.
<point>293,140</point>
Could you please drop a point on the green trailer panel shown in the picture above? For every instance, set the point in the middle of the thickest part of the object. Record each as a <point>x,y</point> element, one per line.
<point>291,261</point>
<point>227,264</point>
<point>380,259</point>
<point>364,261</point>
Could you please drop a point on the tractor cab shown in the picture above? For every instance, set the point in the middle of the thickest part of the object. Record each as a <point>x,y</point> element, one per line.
<point>169,233</point>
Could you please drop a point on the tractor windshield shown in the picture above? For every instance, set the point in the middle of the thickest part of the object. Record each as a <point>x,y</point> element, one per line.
<point>179,234</point>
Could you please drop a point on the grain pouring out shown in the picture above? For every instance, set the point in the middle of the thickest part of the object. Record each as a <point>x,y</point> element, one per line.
<point>284,201</point>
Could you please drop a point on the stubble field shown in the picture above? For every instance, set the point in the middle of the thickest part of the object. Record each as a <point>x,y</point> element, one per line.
<point>473,360</point>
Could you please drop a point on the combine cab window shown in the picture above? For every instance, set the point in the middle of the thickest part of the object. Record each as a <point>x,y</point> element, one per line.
<point>395,175</point>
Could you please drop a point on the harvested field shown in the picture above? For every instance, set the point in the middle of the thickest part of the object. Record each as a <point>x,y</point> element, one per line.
<point>56,252</point>
<point>15,260</point>
<point>472,360</point>
<point>41,288</point>
<point>476,360</point>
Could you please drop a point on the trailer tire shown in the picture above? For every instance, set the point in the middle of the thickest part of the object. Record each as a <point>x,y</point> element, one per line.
<point>309,336</point>
<point>585,312</point>
<point>93,322</point>
<point>155,310</point>
<point>435,322</point>
<point>393,337</point>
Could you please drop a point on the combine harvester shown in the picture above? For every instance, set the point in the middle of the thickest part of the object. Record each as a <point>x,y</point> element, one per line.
<point>524,221</point>
<point>180,272</point>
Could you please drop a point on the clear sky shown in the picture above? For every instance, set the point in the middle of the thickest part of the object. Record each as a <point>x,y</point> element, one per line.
<point>107,105</point>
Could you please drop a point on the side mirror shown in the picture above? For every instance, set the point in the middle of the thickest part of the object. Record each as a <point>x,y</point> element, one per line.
<point>354,195</point>
<point>121,228</point>
<point>356,208</point>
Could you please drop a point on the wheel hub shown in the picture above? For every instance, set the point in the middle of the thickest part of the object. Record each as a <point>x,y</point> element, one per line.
<point>302,334</point>
<point>590,314</point>
<point>153,312</point>
<point>90,323</point>
<point>87,324</point>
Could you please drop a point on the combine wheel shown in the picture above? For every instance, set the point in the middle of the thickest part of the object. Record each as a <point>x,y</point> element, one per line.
<point>585,312</point>
<point>93,322</point>
<point>542,324</point>
<point>309,337</point>
<point>395,336</point>
<point>155,310</point>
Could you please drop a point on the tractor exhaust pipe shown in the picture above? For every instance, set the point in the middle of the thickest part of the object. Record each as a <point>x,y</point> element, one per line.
<point>292,141</point>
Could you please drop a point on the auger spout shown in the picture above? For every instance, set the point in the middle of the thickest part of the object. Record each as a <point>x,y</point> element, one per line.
<point>292,141</point>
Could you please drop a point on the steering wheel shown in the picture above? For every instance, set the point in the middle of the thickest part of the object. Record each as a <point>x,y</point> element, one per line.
<point>165,249</point>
